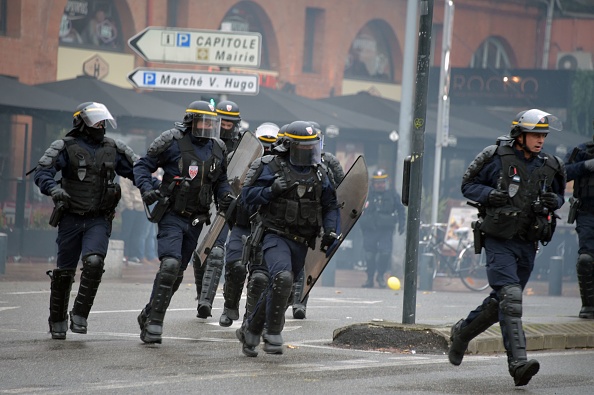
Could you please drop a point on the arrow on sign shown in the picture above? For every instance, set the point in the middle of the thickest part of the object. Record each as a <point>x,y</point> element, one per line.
<point>191,81</point>
<point>207,47</point>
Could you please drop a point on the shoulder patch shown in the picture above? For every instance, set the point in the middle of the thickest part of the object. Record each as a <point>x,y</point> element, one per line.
<point>52,153</point>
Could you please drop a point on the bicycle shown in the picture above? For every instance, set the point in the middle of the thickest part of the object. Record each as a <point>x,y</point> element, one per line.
<point>455,257</point>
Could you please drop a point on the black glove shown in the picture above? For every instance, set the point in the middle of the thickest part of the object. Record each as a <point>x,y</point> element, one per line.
<point>498,198</point>
<point>150,197</point>
<point>549,199</point>
<point>279,186</point>
<point>59,195</point>
<point>327,239</point>
<point>225,202</point>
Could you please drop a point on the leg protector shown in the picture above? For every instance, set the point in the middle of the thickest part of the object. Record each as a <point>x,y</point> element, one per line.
<point>210,281</point>
<point>60,286</point>
<point>514,340</point>
<point>277,305</point>
<point>235,274</point>
<point>198,273</point>
<point>382,263</point>
<point>255,307</point>
<point>585,274</point>
<point>164,283</point>
<point>92,271</point>
<point>463,332</point>
<point>299,308</point>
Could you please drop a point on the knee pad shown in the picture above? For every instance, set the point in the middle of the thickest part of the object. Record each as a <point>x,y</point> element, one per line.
<point>585,264</point>
<point>169,270</point>
<point>236,271</point>
<point>259,279</point>
<point>510,300</point>
<point>216,257</point>
<point>93,265</point>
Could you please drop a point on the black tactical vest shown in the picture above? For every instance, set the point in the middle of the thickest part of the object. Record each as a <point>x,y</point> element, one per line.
<point>378,214</point>
<point>193,194</point>
<point>90,180</point>
<point>297,211</point>
<point>584,187</point>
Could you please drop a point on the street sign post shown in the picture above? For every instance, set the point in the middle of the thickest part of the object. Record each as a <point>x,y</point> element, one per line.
<point>194,81</point>
<point>190,46</point>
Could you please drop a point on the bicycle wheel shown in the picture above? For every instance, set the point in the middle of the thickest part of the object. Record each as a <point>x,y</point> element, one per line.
<point>472,269</point>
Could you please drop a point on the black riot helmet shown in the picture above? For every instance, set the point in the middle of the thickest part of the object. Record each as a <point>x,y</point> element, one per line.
<point>302,143</point>
<point>267,133</point>
<point>380,181</point>
<point>202,117</point>
<point>318,130</point>
<point>228,112</point>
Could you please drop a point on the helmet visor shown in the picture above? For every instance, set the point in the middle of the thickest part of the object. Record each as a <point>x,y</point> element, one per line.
<point>538,121</point>
<point>95,115</point>
<point>206,126</point>
<point>305,153</point>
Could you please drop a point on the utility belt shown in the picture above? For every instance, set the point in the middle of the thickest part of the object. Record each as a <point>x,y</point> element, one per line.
<point>196,217</point>
<point>298,239</point>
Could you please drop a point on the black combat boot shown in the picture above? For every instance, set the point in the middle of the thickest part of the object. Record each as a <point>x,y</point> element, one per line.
<point>60,286</point>
<point>275,318</point>
<point>462,332</point>
<point>514,340</point>
<point>234,278</point>
<point>162,291</point>
<point>92,271</point>
<point>210,281</point>
<point>370,261</point>
<point>255,314</point>
<point>585,274</point>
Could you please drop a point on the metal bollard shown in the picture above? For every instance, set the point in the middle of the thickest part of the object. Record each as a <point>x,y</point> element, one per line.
<point>426,272</point>
<point>3,252</point>
<point>555,275</point>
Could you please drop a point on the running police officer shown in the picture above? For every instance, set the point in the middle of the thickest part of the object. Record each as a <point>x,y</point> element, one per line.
<point>382,212</point>
<point>579,164</point>
<point>235,267</point>
<point>207,275</point>
<point>193,160</point>
<point>334,169</point>
<point>519,187</point>
<point>296,200</point>
<point>85,199</point>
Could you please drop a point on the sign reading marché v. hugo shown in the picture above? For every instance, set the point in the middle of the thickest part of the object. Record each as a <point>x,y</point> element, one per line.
<point>190,46</point>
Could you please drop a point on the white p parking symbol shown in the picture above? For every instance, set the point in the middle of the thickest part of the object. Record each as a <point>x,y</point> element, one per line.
<point>149,78</point>
<point>183,40</point>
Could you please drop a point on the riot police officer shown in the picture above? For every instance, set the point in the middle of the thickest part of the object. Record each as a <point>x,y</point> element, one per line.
<point>518,186</point>
<point>193,159</point>
<point>296,201</point>
<point>235,266</point>
<point>382,212</point>
<point>579,164</point>
<point>207,275</point>
<point>334,169</point>
<point>85,198</point>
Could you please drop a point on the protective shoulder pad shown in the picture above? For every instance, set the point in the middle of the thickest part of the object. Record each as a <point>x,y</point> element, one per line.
<point>125,149</point>
<point>485,156</point>
<point>164,141</point>
<point>52,153</point>
<point>256,169</point>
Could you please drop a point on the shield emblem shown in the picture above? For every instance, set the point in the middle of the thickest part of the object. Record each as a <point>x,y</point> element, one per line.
<point>193,171</point>
<point>513,190</point>
<point>301,190</point>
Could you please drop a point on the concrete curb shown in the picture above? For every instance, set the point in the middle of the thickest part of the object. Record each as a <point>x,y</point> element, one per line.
<point>553,336</point>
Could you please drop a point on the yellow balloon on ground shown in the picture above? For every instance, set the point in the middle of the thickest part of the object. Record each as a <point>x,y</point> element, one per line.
<point>394,283</point>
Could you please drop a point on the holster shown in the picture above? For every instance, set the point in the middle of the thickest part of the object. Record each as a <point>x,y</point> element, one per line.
<point>574,205</point>
<point>479,237</point>
<point>57,214</point>
<point>158,211</point>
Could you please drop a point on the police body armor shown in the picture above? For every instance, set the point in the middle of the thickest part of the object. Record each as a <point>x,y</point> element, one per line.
<point>90,181</point>
<point>522,218</point>
<point>379,213</point>
<point>297,211</point>
<point>193,195</point>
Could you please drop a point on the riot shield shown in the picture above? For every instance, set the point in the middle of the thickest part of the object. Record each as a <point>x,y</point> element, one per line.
<point>248,150</point>
<point>351,194</point>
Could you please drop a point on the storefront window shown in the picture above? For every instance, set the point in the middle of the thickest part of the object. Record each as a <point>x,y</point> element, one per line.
<point>490,55</point>
<point>369,57</point>
<point>91,24</point>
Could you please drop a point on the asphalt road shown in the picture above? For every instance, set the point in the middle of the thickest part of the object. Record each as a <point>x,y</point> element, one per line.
<point>200,356</point>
